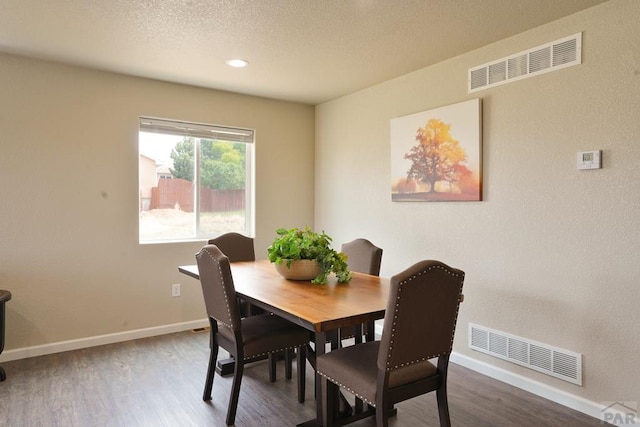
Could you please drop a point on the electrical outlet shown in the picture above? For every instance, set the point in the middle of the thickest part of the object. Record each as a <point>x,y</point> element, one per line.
<point>175,290</point>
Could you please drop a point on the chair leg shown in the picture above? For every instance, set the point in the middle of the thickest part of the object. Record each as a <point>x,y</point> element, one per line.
<point>288,364</point>
<point>443,406</point>
<point>358,334</point>
<point>441,392</point>
<point>358,406</point>
<point>273,358</point>
<point>382,417</point>
<point>330,393</point>
<point>383,408</point>
<point>301,363</point>
<point>235,392</point>
<point>211,370</point>
<point>371,331</point>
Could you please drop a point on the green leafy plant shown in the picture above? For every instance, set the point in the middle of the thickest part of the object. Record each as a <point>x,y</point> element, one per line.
<point>294,244</point>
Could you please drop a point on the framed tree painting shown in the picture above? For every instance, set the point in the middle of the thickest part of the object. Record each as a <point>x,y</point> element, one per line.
<point>436,155</point>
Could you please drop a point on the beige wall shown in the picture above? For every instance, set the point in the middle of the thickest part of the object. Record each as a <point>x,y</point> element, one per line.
<point>69,249</point>
<point>551,254</point>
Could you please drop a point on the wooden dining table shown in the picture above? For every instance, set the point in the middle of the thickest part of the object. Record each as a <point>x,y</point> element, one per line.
<point>322,309</point>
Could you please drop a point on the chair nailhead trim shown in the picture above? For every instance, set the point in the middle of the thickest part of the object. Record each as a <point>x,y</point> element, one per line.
<point>395,317</point>
<point>269,352</point>
<point>226,299</point>
<point>339,384</point>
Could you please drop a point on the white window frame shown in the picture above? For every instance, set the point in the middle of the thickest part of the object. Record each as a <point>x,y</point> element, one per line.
<point>210,132</point>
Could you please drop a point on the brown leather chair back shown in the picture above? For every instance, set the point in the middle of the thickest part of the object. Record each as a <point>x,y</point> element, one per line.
<point>421,314</point>
<point>235,246</point>
<point>217,287</point>
<point>363,256</point>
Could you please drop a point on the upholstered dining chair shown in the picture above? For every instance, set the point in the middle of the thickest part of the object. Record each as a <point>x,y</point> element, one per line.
<point>4,297</point>
<point>238,248</point>
<point>362,257</point>
<point>235,246</point>
<point>244,338</point>
<point>419,325</point>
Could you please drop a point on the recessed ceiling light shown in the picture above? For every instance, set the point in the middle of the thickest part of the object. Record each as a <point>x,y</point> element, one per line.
<point>237,63</point>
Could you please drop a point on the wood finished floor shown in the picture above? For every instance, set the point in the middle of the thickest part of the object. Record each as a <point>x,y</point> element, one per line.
<point>158,382</point>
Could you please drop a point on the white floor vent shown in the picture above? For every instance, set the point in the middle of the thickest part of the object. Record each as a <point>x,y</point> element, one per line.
<point>552,56</point>
<point>553,361</point>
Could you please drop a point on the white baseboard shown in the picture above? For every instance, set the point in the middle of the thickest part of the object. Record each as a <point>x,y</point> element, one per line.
<point>58,347</point>
<point>561,397</point>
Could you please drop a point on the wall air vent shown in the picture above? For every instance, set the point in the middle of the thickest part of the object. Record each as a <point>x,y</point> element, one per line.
<point>538,60</point>
<point>553,361</point>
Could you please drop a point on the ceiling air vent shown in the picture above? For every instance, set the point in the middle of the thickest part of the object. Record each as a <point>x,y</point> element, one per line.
<point>538,60</point>
<point>553,361</point>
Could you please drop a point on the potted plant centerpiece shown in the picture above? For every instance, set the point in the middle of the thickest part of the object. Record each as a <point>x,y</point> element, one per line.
<point>304,254</point>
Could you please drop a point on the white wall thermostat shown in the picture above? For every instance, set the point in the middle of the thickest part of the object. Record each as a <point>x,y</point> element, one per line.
<point>590,159</point>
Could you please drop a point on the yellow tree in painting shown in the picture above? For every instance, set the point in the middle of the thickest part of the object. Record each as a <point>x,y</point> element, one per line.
<point>437,156</point>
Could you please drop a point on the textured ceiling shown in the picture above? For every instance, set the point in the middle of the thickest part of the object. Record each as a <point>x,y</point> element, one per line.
<point>308,51</point>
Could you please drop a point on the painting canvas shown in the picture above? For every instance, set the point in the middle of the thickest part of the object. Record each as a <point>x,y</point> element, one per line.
<point>436,155</point>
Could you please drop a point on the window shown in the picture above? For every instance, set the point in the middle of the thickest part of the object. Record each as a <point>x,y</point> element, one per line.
<point>195,180</point>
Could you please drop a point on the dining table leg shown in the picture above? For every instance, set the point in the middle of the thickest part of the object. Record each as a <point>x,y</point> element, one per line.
<point>320,348</point>
<point>345,414</point>
<point>320,342</point>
